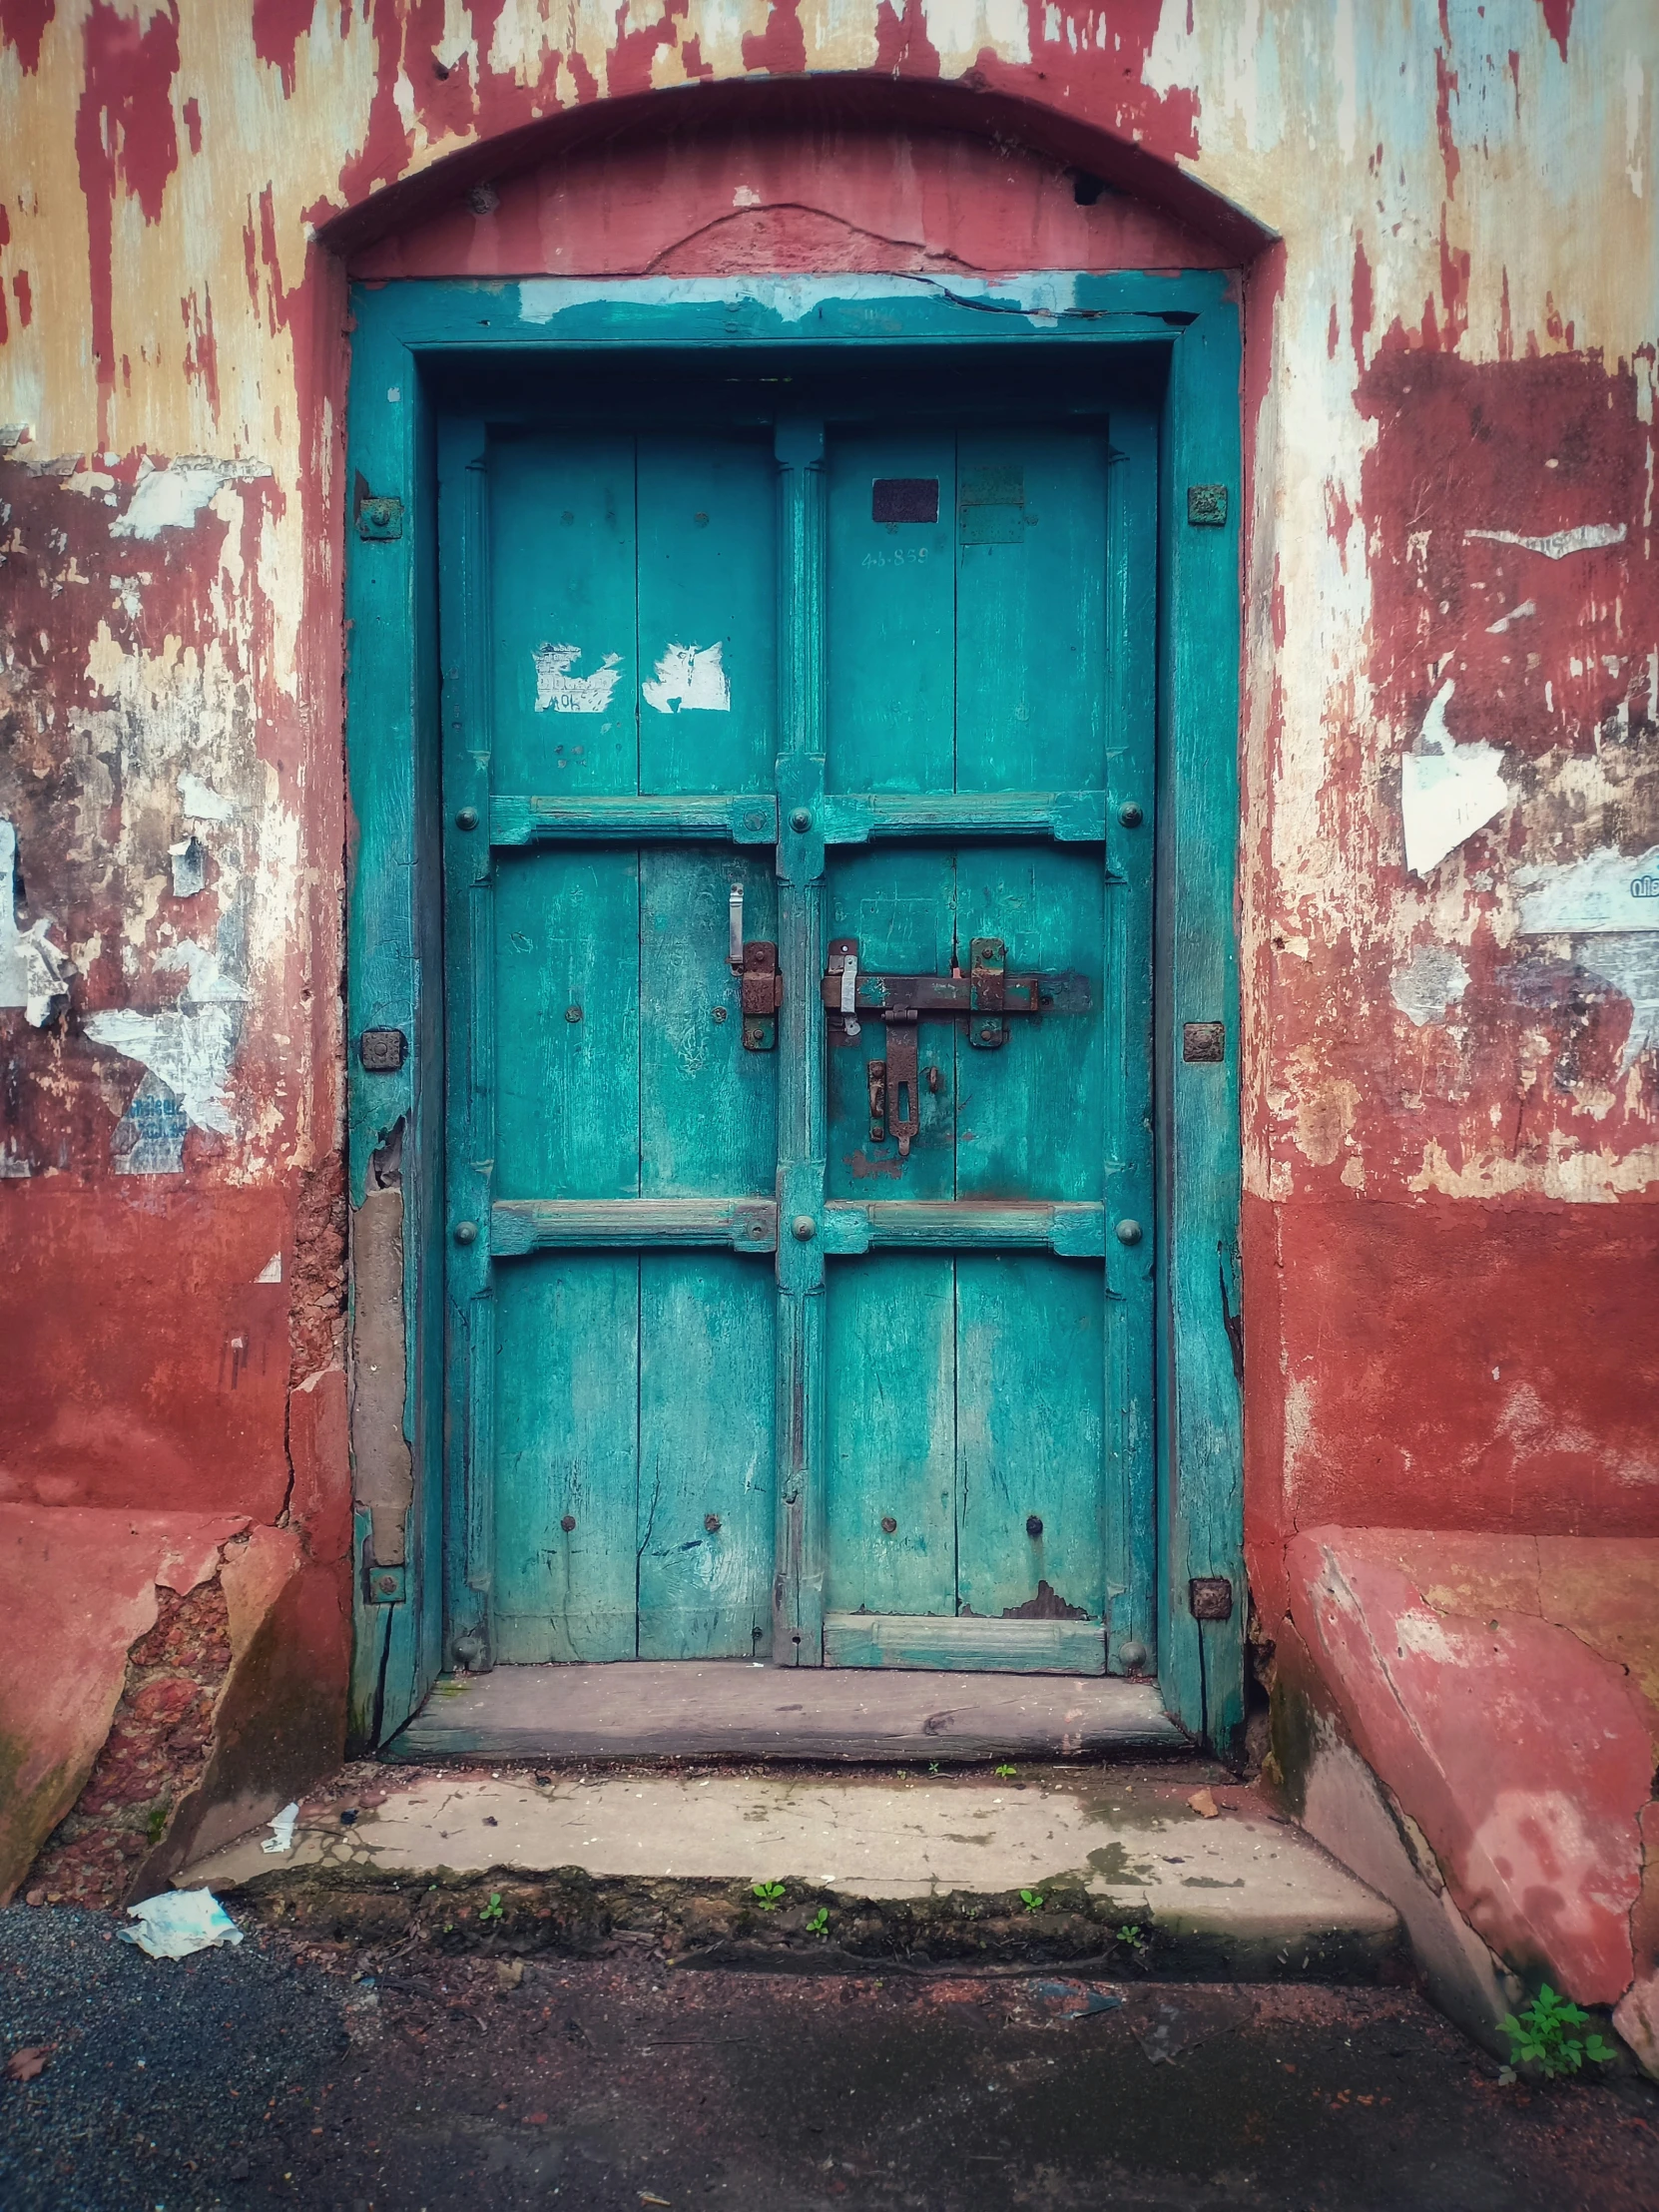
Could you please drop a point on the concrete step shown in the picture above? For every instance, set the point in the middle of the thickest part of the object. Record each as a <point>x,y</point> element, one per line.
<point>1126,1870</point>
<point>729,1709</point>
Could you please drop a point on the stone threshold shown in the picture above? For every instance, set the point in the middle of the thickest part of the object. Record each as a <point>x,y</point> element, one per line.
<point>729,1709</point>
<point>1107,1869</point>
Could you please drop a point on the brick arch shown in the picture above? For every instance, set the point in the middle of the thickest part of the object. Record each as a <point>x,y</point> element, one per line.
<point>832,174</point>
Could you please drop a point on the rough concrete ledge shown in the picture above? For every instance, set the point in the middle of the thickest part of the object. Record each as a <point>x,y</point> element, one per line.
<point>1065,1867</point>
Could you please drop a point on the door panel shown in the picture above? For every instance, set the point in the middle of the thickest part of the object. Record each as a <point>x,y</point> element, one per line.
<point>908,1439</point>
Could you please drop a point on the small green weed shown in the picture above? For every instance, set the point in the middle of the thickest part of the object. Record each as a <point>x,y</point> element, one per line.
<point>1006,1773</point>
<point>1539,2037</point>
<point>818,1925</point>
<point>769,1895</point>
<point>932,1766</point>
<point>491,1913</point>
<point>1130,1934</point>
<point>1032,1900</point>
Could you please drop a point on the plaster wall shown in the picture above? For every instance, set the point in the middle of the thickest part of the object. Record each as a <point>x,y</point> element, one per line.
<point>1451,660</point>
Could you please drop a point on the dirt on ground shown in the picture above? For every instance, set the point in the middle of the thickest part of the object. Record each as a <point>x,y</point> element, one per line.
<point>281,2074</point>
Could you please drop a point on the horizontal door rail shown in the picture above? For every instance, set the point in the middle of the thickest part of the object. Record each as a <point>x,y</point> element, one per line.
<point>1071,817</point>
<point>845,817</point>
<point>1075,1231</point>
<point>519,1224</point>
<point>745,818</point>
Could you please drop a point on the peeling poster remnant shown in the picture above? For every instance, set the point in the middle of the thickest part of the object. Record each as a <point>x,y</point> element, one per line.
<point>1586,538</point>
<point>1608,903</point>
<point>1448,791</point>
<point>573,695</point>
<point>149,1138</point>
<point>1431,983</point>
<point>188,1051</point>
<point>172,498</point>
<point>34,974</point>
<point>689,676</point>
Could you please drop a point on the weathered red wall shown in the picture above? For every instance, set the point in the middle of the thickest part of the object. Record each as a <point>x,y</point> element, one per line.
<point>1449,1239</point>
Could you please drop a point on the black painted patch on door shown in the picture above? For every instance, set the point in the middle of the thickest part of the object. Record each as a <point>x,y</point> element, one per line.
<point>905,499</point>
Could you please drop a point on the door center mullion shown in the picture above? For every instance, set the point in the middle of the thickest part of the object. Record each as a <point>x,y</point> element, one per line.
<point>799,1578</point>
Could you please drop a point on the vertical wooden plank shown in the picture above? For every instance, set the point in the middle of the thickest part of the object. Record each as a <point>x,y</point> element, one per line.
<point>708,597</point>
<point>469,956</point>
<point>567,1062</point>
<point>393,904</point>
<point>891,1418</point>
<point>798,1575</point>
<point>1031,683</point>
<point>891,624</point>
<point>1201,1667</point>
<point>565,653</point>
<point>708,588</point>
<point>1029,1373</point>
<point>705,1514</point>
<point>1129,1528</point>
<point>566,1450</point>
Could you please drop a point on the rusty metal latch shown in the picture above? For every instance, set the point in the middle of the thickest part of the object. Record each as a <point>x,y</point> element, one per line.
<point>760,985</point>
<point>985,998</point>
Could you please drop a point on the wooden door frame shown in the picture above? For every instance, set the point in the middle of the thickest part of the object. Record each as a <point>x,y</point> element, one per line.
<point>394,974</point>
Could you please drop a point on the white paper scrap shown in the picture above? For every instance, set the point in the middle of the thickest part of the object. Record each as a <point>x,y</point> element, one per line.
<point>183,1922</point>
<point>280,1838</point>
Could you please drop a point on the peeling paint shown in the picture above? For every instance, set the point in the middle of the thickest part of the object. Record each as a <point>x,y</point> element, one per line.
<point>1430,984</point>
<point>171,498</point>
<point>689,676</point>
<point>565,693</point>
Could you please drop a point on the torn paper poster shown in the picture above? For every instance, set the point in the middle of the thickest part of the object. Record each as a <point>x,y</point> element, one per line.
<point>280,1838</point>
<point>183,1922</point>
<point>1630,963</point>
<point>565,693</point>
<point>1448,791</point>
<point>1608,903</point>
<point>189,1047</point>
<point>689,676</point>
<point>1585,538</point>
<point>149,1139</point>
<point>34,974</point>
<point>1431,983</point>
<point>201,803</point>
<point>172,498</point>
<point>1605,890</point>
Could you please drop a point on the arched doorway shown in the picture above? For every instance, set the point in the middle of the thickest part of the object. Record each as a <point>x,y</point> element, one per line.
<point>794,667</point>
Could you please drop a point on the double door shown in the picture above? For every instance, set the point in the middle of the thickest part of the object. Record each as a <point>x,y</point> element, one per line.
<point>797,804</point>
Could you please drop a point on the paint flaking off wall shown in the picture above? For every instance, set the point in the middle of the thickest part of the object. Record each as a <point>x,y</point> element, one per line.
<point>565,693</point>
<point>689,676</point>
<point>34,974</point>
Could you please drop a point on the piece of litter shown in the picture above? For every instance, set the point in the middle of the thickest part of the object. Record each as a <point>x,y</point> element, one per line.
<point>1172,2033</point>
<point>25,2065</point>
<point>650,2196</point>
<point>183,1922</point>
<point>280,1838</point>
<point>1204,1804</point>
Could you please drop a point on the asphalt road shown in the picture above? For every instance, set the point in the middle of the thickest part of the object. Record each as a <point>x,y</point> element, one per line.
<point>272,2076</point>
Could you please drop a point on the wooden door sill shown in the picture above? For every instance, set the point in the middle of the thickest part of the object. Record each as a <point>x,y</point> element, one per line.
<point>731,1709</point>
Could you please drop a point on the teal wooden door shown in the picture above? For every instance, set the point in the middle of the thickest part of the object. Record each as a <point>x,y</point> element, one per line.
<point>809,1318</point>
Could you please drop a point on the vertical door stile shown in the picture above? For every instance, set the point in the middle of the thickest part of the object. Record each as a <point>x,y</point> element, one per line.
<point>1128,1513</point>
<point>469,959</point>
<point>799,1579</point>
